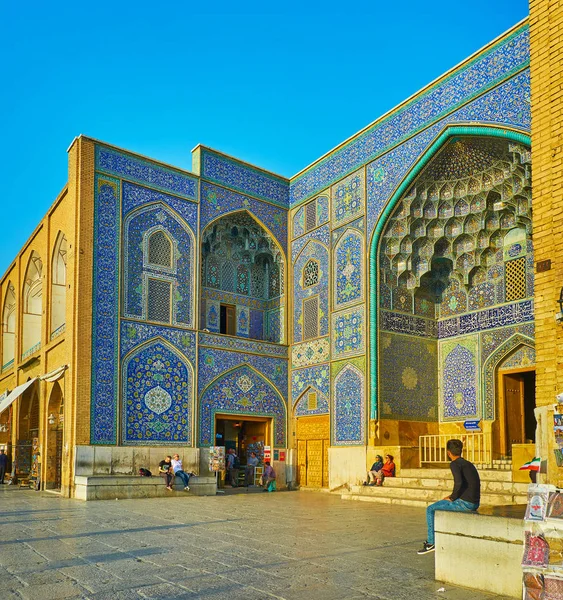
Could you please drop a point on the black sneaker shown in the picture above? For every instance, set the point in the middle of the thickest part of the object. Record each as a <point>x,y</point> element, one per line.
<point>427,548</point>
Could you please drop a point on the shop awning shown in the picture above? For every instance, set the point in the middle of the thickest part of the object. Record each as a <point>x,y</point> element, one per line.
<point>15,394</point>
<point>54,375</point>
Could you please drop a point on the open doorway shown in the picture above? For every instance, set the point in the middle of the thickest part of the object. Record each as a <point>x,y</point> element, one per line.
<point>244,434</point>
<point>517,400</point>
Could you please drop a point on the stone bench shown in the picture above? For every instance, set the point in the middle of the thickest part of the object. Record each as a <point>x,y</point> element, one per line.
<point>110,487</point>
<point>482,550</point>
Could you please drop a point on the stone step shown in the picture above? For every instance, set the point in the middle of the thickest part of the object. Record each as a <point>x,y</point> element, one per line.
<point>424,496</point>
<point>385,500</point>
<point>445,473</point>
<point>492,486</point>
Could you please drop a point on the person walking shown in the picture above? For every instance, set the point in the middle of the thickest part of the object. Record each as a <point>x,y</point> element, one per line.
<point>179,472</point>
<point>465,496</point>
<point>233,466</point>
<point>3,465</point>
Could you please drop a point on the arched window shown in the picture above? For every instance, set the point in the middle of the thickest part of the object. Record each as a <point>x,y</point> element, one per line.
<point>58,286</point>
<point>32,305</point>
<point>160,250</point>
<point>8,327</point>
<point>311,273</point>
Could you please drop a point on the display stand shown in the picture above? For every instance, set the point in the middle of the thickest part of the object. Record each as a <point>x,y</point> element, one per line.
<point>217,463</point>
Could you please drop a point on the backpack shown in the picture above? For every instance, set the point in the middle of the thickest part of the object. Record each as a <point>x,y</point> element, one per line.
<point>145,473</point>
<point>236,462</point>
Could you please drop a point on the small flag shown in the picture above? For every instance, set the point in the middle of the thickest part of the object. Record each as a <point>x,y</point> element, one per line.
<point>533,465</point>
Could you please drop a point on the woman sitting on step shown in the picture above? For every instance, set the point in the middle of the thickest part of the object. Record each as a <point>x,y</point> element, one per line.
<point>388,470</point>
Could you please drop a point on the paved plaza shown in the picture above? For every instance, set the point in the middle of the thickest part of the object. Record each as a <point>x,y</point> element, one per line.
<point>292,545</point>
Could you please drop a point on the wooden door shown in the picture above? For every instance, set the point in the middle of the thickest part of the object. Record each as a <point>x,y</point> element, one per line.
<point>514,409</point>
<point>315,462</point>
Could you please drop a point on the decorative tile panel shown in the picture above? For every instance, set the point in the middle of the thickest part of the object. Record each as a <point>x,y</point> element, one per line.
<point>317,377</point>
<point>408,376</point>
<point>348,199</point>
<point>407,324</point>
<point>310,353</point>
<point>243,321</point>
<point>242,391</point>
<point>242,345</point>
<point>348,332</point>
<point>521,359</point>
<point>301,408</point>
<point>319,252</point>
<point>105,326</point>
<point>349,402</point>
<point>213,315</point>
<point>134,334</point>
<point>244,178</point>
<point>146,172</point>
<point>349,255</point>
<point>460,378</point>
<point>158,387</point>
<point>322,234</point>
<point>484,72</point>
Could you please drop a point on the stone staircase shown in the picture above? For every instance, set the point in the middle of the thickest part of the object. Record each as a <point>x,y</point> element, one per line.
<point>421,487</point>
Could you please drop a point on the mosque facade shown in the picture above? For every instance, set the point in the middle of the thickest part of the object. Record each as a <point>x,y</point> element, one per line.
<point>380,300</point>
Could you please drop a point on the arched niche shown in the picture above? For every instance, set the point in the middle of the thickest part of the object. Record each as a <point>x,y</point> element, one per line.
<point>32,305</point>
<point>58,285</point>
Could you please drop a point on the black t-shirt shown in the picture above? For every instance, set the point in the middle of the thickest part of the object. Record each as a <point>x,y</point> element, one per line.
<point>164,466</point>
<point>467,484</point>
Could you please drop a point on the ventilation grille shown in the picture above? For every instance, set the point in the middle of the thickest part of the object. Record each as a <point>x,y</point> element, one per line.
<point>311,273</point>
<point>160,250</point>
<point>311,318</point>
<point>159,301</point>
<point>311,215</point>
<point>515,279</point>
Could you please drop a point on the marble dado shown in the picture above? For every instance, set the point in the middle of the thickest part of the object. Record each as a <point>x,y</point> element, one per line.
<point>311,353</point>
<point>491,318</point>
<point>223,342</point>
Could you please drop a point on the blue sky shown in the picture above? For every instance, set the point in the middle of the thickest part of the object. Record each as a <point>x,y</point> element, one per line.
<point>276,86</point>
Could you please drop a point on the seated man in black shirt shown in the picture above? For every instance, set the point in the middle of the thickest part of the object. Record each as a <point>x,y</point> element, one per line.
<point>466,494</point>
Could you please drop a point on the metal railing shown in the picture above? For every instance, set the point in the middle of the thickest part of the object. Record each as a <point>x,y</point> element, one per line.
<point>476,448</point>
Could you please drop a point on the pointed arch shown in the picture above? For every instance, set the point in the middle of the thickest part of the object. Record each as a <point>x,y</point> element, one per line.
<point>348,415</point>
<point>506,349</point>
<point>8,326</point>
<point>58,285</point>
<point>32,305</point>
<point>446,134</point>
<point>157,383</point>
<point>241,390</point>
<point>175,246</point>
<point>348,260</point>
<point>302,406</point>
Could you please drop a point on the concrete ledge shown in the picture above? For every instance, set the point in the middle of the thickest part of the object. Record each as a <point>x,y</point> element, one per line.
<point>109,487</point>
<point>480,551</point>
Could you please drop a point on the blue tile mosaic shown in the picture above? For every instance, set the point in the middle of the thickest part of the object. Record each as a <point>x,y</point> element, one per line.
<point>146,172</point>
<point>322,234</point>
<point>301,408</point>
<point>484,72</point>
<point>348,332</point>
<point>244,178</point>
<point>317,377</point>
<point>407,324</point>
<point>349,415</point>
<point>319,252</point>
<point>349,255</point>
<point>222,342</point>
<point>217,202</point>
<point>134,334</point>
<point>138,227</point>
<point>460,379</point>
<point>135,196</point>
<point>105,325</point>
<point>348,199</point>
<point>158,387</point>
<point>242,391</point>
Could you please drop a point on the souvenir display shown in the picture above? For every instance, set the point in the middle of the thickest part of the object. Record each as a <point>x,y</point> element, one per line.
<point>533,583</point>
<point>536,550</point>
<point>538,497</point>
<point>555,506</point>
<point>553,588</point>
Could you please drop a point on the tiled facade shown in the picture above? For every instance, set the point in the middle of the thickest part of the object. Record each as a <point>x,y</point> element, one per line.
<point>395,275</point>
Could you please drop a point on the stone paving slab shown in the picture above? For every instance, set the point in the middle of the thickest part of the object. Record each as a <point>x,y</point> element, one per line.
<point>283,546</point>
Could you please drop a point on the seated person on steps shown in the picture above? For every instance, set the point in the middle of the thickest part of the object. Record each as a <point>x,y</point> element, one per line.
<point>387,470</point>
<point>166,471</point>
<point>268,476</point>
<point>375,469</point>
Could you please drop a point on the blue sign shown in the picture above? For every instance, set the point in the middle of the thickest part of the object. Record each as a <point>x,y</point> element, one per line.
<point>472,425</point>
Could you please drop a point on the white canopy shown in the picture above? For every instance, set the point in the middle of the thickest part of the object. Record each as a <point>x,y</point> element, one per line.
<point>54,375</point>
<point>15,394</point>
